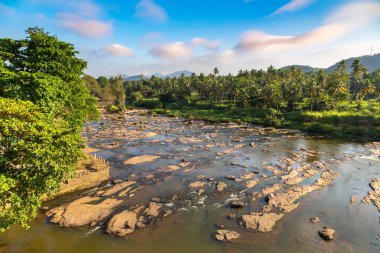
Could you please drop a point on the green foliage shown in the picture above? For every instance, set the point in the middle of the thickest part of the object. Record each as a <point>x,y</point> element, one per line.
<point>43,105</point>
<point>314,101</point>
<point>36,154</point>
<point>150,103</point>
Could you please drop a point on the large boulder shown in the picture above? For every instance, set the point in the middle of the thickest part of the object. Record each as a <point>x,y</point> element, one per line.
<point>261,222</point>
<point>122,223</point>
<point>83,211</point>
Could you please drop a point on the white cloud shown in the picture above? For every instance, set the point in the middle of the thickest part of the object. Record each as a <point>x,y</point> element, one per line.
<point>117,50</point>
<point>293,5</point>
<point>90,28</point>
<point>150,10</point>
<point>151,39</point>
<point>342,22</point>
<point>201,42</point>
<point>171,51</point>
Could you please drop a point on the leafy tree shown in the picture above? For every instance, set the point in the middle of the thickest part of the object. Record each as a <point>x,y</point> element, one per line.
<point>43,105</point>
<point>36,154</point>
<point>103,81</point>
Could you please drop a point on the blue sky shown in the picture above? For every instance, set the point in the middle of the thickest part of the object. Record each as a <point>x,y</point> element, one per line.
<point>148,36</point>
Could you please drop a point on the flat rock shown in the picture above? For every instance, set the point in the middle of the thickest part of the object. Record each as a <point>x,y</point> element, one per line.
<point>82,211</point>
<point>152,209</point>
<point>141,159</point>
<point>251,183</point>
<point>227,235</point>
<point>261,222</point>
<point>197,184</point>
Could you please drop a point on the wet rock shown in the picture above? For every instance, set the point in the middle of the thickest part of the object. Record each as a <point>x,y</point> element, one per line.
<point>247,176</point>
<point>231,216</point>
<point>326,178</point>
<point>220,186</point>
<point>261,222</point>
<point>122,223</point>
<point>152,209</point>
<point>117,188</point>
<point>251,183</point>
<point>293,180</point>
<point>375,184</point>
<point>167,212</point>
<point>270,189</point>
<point>352,199</point>
<point>237,204</point>
<point>314,219</point>
<point>291,174</point>
<point>200,177</point>
<point>230,177</point>
<point>197,184</point>
<point>155,199</point>
<point>72,214</point>
<point>327,234</point>
<point>220,226</point>
<point>239,165</point>
<point>374,197</point>
<point>227,235</point>
<point>201,191</point>
<point>285,200</point>
<point>117,181</point>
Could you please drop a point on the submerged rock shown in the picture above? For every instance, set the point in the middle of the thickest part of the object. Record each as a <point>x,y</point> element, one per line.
<point>314,219</point>
<point>327,234</point>
<point>230,177</point>
<point>227,235</point>
<point>261,222</point>
<point>237,204</point>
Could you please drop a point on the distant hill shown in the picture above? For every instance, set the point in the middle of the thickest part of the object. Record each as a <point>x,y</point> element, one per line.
<point>371,62</point>
<point>179,73</point>
<point>304,68</point>
<point>135,78</point>
<point>159,75</point>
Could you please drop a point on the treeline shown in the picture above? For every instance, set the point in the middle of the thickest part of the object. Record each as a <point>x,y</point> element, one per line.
<point>43,105</point>
<point>340,104</point>
<point>284,90</point>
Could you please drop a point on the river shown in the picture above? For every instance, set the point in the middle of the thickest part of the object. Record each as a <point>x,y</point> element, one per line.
<point>210,153</point>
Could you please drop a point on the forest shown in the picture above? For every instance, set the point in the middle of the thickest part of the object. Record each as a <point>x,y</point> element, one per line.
<point>343,105</point>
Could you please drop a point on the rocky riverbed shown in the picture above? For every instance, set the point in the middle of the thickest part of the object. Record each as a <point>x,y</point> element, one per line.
<point>251,185</point>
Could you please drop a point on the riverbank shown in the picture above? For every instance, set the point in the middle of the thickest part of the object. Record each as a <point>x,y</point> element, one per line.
<point>347,122</point>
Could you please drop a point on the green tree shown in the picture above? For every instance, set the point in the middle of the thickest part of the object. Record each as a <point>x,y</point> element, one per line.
<point>36,154</point>
<point>43,105</point>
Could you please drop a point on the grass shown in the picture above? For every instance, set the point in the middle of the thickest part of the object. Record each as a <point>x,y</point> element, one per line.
<point>348,121</point>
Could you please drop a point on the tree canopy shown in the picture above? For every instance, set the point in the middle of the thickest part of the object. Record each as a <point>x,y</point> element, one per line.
<point>43,105</point>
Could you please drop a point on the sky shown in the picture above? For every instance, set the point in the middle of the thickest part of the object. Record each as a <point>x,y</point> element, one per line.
<point>131,37</point>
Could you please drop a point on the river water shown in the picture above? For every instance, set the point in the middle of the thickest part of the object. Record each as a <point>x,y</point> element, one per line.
<point>215,151</point>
